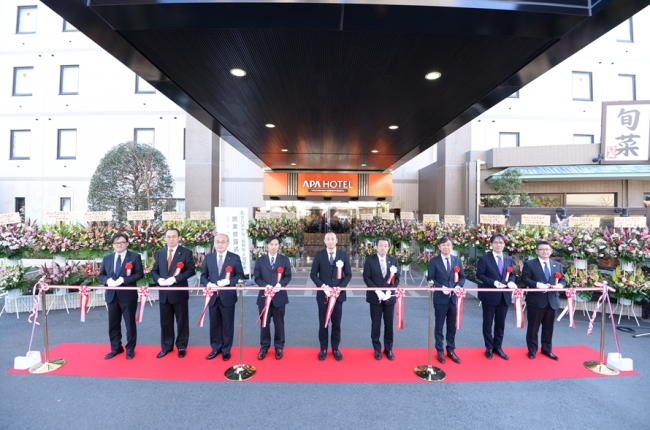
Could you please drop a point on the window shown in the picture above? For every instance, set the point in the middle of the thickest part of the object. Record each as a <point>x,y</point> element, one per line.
<point>180,205</point>
<point>591,200</point>
<point>627,87</point>
<point>23,81</point>
<point>144,135</point>
<point>582,86</point>
<point>20,143</point>
<point>583,138</point>
<point>184,142</point>
<point>142,86</point>
<point>66,204</point>
<point>625,32</point>
<point>546,200</point>
<point>26,22</point>
<point>508,140</point>
<point>67,145</point>
<point>68,27</point>
<point>514,95</point>
<point>69,83</point>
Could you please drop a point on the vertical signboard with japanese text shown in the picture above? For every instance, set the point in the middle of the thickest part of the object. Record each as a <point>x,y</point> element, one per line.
<point>234,222</point>
<point>626,132</point>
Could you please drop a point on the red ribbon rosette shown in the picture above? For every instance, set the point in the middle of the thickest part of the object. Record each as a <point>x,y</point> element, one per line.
<point>84,292</point>
<point>571,304</point>
<point>399,308</point>
<point>508,272</point>
<point>228,272</point>
<point>128,267</point>
<point>179,266</point>
<point>334,294</point>
<point>460,300</point>
<point>518,295</point>
<point>280,272</point>
<point>207,295</point>
<point>143,294</point>
<point>456,272</point>
<point>268,297</point>
<point>557,277</point>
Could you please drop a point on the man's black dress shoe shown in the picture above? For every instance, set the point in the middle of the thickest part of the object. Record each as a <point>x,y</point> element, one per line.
<point>337,355</point>
<point>441,357</point>
<point>531,355</point>
<point>551,355</point>
<point>226,356</point>
<point>488,354</point>
<point>453,356</point>
<point>322,354</point>
<point>113,353</point>
<point>390,355</point>
<point>262,353</point>
<point>377,355</point>
<point>500,353</point>
<point>130,354</point>
<point>162,353</point>
<point>278,353</point>
<point>211,355</point>
<point>181,353</point>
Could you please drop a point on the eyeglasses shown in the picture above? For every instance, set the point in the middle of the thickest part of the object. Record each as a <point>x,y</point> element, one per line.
<point>220,241</point>
<point>545,249</point>
<point>119,243</point>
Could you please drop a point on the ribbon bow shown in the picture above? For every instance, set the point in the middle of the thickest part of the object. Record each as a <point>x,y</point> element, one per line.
<point>334,294</point>
<point>207,295</point>
<point>143,293</point>
<point>460,300</point>
<point>268,296</point>
<point>518,295</point>
<point>399,309</point>
<point>571,303</point>
<point>84,292</point>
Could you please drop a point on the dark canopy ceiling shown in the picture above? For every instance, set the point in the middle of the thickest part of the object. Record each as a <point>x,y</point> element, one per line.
<point>332,76</point>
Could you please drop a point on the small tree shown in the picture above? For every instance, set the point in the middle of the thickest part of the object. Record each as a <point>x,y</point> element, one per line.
<point>131,177</point>
<point>506,187</point>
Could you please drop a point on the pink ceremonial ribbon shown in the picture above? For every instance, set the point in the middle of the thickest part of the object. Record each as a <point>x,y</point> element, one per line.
<point>334,294</point>
<point>280,271</point>
<point>84,292</point>
<point>399,308</point>
<point>519,307</point>
<point>508,271</point>
<point>207,295</point>
<point>456,271</point>
<point>143,292</point>
<point>179,267</point>
<point>601,300</point>
<point>268,297</point>
<point>460,300</point>
<point>34,314</point>
<point>390,279</point>
<point>571,303</point>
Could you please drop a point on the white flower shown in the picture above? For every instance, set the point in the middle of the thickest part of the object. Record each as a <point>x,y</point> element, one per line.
<point>393,269</point>
<point>339,263</point>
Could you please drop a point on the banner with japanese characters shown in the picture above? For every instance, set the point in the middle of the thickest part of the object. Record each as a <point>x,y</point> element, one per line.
<point>234,222</point>
<point>626,132</point>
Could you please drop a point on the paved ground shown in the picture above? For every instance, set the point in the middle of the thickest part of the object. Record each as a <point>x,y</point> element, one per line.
<point>30,401</point>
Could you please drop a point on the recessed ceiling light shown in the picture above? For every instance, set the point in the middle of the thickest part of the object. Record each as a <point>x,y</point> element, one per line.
<point>270,125</point>
<point>238,72</point>
<point>363,165</point>
<point>393,127</point>
<point>285,150</point>
<point>293,164</point>
<point>374,151</point>
<point>432,76</point>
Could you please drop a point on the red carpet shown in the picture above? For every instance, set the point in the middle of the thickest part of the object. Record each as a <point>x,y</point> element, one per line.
<point>302,365</point>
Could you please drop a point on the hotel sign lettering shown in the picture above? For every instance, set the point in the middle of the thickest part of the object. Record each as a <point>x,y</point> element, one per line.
<point>626,132</point>
<point>312,184</point>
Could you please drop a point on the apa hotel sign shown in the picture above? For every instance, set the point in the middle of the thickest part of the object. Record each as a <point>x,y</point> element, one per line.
<point>312,184</point>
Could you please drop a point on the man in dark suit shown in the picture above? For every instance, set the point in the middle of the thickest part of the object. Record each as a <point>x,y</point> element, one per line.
<point>545,274</point>
<point>492,271</point>
<point>266,274</point>
<point>172,267</point>
<point>379,273</point>
<point>442,271</point>
<point>121,268</point>
<point>327,263</point>
<point>214,274</point>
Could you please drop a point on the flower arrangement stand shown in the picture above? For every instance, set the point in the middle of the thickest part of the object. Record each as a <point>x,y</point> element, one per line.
<point>60,292</point>
<point>629,305</point>
<point>424,279</point>
<point>96,295</point>
<point>9,299</point>
<point>406,272</point>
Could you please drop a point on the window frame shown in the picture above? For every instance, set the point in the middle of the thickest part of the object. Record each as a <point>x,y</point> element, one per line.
<point>61,204</point>
<point>513,133</point>
<point>11,144</point>
<point>631,32</point>
<point>583,135</point>
<point>135,136</point>
<point>13,89</point>
<point>137,86</point>
<point>514,95</point>
<point>64,67</point>
<point>626,75</point>
<point>66,30</point>
<point>591,86</point>
<point>58,144</point>
<point>23,7</point>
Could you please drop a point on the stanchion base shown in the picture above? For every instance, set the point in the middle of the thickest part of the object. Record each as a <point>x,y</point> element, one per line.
<point>430,373</point>
<point>48,366</point>
<point>601,368</point>
<point>240,372</point>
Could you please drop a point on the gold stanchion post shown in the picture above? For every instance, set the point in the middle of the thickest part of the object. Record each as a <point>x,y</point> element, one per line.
<point>48,365</point>
<point>600,366</point>
<point>429,372</point>
<point>240,372</point>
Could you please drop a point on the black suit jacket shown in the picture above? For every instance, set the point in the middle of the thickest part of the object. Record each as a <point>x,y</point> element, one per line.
<point>374,280</point>
<point>264,276</point>
<point>107,271</point>
<point>321,273</point>
<point>181,255</point>
<point>210,273</point>
<point>487,272</point>
<point>437,272</point>
<point>534,273</point>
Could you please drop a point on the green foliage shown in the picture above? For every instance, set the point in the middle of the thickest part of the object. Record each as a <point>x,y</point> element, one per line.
<point>506,186</point>
<point>131,177</point>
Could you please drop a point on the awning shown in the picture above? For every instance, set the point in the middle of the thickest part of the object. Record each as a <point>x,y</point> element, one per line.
<point>579,173</point>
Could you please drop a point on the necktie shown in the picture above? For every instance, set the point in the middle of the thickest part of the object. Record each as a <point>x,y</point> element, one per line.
<point>448,267</point>
<point>500,264</point>
<point>383,267</point>
<point>547,272</point>
<point>169,259</point>
<point>272,263</point>
<point>220,263</point>
<point>118,267</point>
<point>332,262</point>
